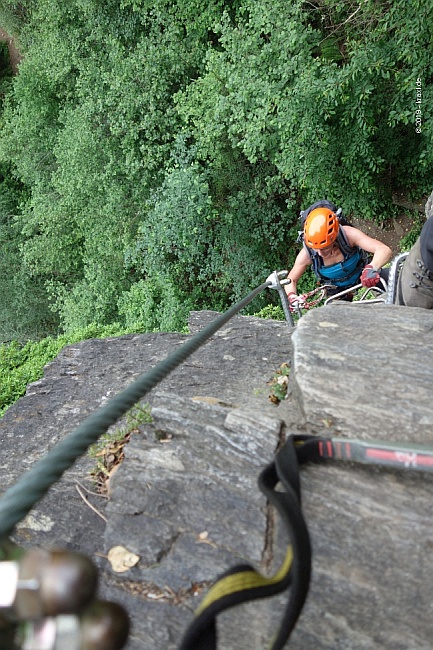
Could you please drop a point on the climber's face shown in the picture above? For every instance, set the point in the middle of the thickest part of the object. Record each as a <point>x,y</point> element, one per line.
<point>328,252</point>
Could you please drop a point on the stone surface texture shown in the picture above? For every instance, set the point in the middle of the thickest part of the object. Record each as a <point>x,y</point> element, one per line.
<point>185,498</point>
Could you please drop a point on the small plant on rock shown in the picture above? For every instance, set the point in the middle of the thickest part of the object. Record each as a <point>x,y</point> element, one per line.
<point>279,384</point>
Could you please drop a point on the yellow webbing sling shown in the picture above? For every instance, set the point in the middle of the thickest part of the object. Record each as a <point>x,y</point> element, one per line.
<point>243,583</point>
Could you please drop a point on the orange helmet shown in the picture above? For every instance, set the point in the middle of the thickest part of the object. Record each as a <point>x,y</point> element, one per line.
<point>321,228</point>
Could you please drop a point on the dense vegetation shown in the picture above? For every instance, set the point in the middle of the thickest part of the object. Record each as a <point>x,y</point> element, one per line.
<point>154,155</point>
<point>21,365</point>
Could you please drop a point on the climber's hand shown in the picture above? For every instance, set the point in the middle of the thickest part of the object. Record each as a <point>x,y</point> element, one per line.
<point>369,276</point>
<point>295,302</point>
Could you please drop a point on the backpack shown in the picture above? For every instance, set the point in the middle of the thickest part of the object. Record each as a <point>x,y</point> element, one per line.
<point>324,203</point>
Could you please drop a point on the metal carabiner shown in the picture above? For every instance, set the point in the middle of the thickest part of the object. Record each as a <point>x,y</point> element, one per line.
<point>275,283</point>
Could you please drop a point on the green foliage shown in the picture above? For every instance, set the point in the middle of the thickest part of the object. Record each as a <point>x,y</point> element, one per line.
<point>153,305</point>
<point>24,310</point>
<point>156,155</point>
<point>13,15</point>
<point>274,312</point>
<point>5,68</point>
<point>329,128</point>
<point>177,231</point>
<point>89,127</point>
<point>409,240</point>
<point>108,452</point>
<point>21,365</point>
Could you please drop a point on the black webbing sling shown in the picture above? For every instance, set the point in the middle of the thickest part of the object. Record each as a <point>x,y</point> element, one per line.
<point>243,583</point>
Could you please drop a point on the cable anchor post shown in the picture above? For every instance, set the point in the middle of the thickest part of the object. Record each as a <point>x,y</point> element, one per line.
<point>274,281</point>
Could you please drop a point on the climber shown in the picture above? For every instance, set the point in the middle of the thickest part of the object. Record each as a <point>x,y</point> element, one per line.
<point>415,282</point>
<point>337,252</point>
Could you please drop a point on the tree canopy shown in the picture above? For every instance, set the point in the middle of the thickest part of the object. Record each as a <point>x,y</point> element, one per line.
<point>154,156</point>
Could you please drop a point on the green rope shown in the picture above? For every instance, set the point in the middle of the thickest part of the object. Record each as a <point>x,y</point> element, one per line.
<point>19,499</point>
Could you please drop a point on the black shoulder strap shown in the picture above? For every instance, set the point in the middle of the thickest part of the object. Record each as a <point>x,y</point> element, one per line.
<point>343,243</point>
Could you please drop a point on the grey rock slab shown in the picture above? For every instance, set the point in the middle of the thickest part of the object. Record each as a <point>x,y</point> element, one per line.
<point>366,372</point>
<point>197,510</point>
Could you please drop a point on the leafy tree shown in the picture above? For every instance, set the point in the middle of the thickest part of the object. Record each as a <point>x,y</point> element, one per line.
<point>24,302</point>
<point>89,127</point>
<point>13,15</point>
<point>162,150</point>
<point>330,127</point>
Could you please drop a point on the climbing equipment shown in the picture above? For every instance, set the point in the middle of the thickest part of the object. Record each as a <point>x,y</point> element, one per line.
<point>393,278</point>
<point>369,295</point>
<point>243,583</point>
<point>47,600</point>
<point>368,452</point>
<point>344,272</point>
<point>276,281</point>
<point>321,228</point>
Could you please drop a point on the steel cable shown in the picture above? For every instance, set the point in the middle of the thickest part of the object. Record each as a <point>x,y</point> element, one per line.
<point>19,499</point>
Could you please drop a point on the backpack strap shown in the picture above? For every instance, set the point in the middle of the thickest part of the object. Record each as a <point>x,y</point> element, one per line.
<point>324,203</point>
<point>343,243</point>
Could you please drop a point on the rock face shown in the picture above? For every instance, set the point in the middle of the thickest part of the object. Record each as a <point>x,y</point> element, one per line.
<point>366,368</point>
<point>195,510</point>
<point>365,371</point>
<point>185,498</point>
